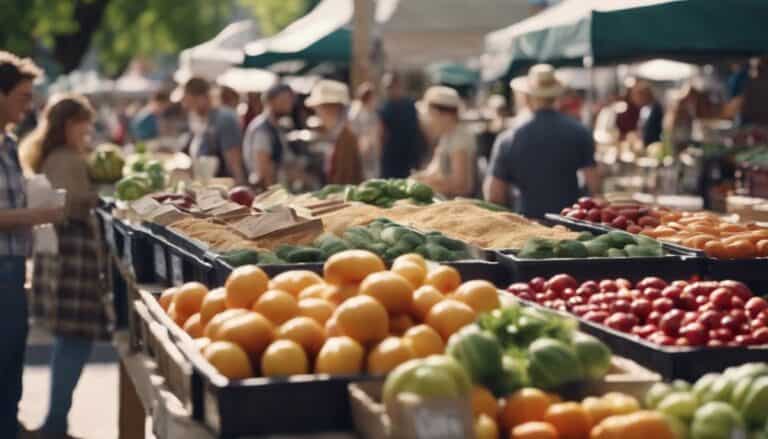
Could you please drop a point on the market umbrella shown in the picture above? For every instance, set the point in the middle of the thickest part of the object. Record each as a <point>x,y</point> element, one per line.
<point>613,31</point>
<point>317,37</point>
<point>455,74</point>
<point>247,80</point>
<point>214,57</point>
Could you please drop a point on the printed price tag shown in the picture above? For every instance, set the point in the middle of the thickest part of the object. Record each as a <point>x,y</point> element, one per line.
<point>177,270</point>
<point>145,206</point>
<point>161,268</point>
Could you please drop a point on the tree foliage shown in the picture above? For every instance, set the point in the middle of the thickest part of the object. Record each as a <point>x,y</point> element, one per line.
<point>274,15</point>
<point>64,30</point>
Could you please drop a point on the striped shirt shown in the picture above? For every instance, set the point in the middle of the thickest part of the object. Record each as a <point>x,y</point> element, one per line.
<point>12,196</point>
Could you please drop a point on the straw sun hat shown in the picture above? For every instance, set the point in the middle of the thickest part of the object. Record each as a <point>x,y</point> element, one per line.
<point>442,96</point>
<point>327,91</point>
<point>540,82</point>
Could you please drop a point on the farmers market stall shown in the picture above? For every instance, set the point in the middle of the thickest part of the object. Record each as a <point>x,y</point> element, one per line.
<point>382,310</point>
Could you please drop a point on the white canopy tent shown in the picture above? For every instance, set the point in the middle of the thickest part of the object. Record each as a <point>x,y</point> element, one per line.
<point>415,33</point>
<point>214,57</point>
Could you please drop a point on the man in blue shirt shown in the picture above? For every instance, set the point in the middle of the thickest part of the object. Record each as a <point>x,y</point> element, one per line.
<point>146,124</point>
<point>542,154</point>
<point>16,221</point>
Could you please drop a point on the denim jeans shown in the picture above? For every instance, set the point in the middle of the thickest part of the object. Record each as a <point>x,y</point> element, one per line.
<point>13,340</point>
<point>67,361</point>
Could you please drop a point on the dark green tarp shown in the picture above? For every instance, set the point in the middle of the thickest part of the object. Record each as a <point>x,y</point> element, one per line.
<point>614,31</point>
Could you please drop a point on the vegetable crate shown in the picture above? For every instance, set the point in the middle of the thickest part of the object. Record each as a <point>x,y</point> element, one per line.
<point>177,259</point>
<point>686,363</point>
<point>669,266</point>
<point>158,338</point>
<point>749,271</point>
<point>134,247</point>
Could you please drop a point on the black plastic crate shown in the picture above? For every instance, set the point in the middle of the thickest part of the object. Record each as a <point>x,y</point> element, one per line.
<point>134,247</point>
<point>671,266</point>
<point>753,272</point>
<point>177,259</point>
<point>686,363</point>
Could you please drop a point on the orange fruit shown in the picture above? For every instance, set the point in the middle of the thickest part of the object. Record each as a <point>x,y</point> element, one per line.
<point>341,292</point>
<point>762,248</point>
<point>570,419</point>
<point>387,355</point>
<point>304,331</point>
<point>411,257</point>
<point>423,341</point>
<point>484,403</point>
<point>351,266</point>
<point>332,328</point>
<point>390,289</point>
<point>444,278</point>
<point>294,282</point>
<point>251,331</point>
<point>316,291</point>
<point>340,356</point>
<point>319,309</point>
<point>486,428</point>
<point>244,286</point>
<point>193,326</point>
<point>449,316</point>
<point>211,329</point>
<point>362,318</point>
<point>229,359</point>
<point>534,430</point>
<point>284,358</point>
<point>167,297</point>
<point>213,303</point>
<point>741,249</point>
<point>278,306</point>
<point>400,323</point>
<point>411,271</point>
<point>201,343</point>
<point>189,297</point>
<point>525,405</point>
<point>481,295</point>
<point>176,316</point>
<point>424,299</point>
<point>715,249</point>
<point>597,408</point>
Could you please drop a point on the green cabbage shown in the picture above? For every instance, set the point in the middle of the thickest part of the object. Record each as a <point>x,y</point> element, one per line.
<point>552,363</point>
<point>716,420</point>
<point>594,355</point>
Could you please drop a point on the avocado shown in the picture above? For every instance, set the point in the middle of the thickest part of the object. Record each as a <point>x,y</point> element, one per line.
<point>392,234</point>
<point>237,258</point>
<point>647,241</point>
<point>436,252</point>
<point>621,239</point>
<point>282,251</point>
<point>585,236</point>
<point>411,239</point>
<point>638,251</point>
<point>616,253</point>
<point>596,249</point>
<point>444,241</point>
<point>305,254</point>
<point>269,258</point>
<point>571,249</point>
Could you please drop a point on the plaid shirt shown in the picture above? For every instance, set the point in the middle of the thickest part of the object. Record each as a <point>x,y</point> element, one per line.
<point>12,196</point>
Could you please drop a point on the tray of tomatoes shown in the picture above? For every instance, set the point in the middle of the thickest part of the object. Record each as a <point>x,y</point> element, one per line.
<point>678,328</point>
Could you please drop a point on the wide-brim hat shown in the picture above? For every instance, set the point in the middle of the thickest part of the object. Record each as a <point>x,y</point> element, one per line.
<point>442,96</point>
<point>541,82</point>
<point>327,91</point>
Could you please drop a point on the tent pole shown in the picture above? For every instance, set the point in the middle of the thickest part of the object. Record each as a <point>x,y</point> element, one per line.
<point>588,63</point>
<point>361,42</point>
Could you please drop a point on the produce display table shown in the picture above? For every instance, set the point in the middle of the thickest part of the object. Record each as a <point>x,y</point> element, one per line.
<point>146,399</point>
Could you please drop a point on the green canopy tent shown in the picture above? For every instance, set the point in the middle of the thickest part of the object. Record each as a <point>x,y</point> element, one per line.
<point>578,32</point>
<point>455,74</point>
<point>321,36</point>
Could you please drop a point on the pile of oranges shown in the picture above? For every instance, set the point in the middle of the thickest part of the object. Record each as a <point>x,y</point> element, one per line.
<point>531,413</point>
<point>707,232</point>
<point>359,317</point>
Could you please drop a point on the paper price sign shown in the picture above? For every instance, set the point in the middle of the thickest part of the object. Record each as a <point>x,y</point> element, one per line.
<point>437,424</point>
